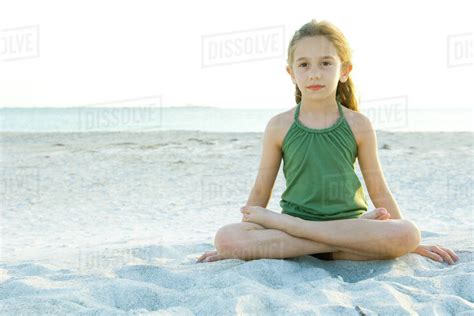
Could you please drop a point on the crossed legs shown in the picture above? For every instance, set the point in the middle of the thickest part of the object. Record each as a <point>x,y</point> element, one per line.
<point>265,236</point>
<point>362,236</point>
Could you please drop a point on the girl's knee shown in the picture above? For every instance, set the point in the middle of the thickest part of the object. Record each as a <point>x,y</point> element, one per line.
<point>406,237</point>
<point>224,237</point>
<point>412,235</point>
<point>231,236</point>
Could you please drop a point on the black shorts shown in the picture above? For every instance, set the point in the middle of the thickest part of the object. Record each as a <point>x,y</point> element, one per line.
<point>327,256</point>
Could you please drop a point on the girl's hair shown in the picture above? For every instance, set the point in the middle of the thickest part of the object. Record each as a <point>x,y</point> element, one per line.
<point>345,92</point>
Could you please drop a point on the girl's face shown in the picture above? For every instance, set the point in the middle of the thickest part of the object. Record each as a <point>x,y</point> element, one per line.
<point>316,62</point>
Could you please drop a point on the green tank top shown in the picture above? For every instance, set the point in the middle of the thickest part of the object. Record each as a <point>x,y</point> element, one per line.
<point>318,164</point>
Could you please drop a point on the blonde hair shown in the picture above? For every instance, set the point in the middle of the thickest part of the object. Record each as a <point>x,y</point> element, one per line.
<point>345,92</point>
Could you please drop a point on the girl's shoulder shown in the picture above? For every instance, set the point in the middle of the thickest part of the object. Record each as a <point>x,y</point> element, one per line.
<point>357,122</point>
<point>281,124</point>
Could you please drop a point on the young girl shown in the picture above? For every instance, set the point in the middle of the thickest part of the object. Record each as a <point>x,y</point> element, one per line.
<point>324,210</point>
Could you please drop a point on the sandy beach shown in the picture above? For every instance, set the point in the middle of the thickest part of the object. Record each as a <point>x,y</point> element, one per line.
<point>112,223</point>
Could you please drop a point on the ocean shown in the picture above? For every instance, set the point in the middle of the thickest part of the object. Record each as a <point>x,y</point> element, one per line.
<point>210,119</point>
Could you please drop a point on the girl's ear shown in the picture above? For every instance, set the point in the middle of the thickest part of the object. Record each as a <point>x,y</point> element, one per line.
<point>290,71</point>
<point>345,71</point>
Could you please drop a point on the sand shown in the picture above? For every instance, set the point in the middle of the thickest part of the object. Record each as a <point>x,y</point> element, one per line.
<point>112,223</point>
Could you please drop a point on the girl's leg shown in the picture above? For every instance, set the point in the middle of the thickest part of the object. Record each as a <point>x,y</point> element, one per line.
<point>248,241</point>
<point>389,238</point>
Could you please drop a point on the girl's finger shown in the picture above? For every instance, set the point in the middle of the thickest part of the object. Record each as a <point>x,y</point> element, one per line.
<point>443,254</point>
<point>431,255</point>
<point>446,257</point>
<point>453,255</point>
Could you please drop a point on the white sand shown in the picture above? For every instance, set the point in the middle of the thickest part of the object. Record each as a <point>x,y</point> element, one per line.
<point>112,223</point>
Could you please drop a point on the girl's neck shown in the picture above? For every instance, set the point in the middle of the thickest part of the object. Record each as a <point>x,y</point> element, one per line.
<point>319,107</point>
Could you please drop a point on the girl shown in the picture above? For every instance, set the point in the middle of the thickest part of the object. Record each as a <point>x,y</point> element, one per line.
<point>324,210</point>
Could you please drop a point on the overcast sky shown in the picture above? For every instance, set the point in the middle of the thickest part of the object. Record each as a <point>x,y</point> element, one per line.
<point>65,53</point>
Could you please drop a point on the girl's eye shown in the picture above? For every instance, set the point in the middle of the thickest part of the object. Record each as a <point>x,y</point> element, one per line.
<point>325,63</point>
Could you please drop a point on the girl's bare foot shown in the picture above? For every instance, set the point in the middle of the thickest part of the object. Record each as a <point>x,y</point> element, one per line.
<point>380,213</point>
<point>270,219</point>
<point>265,217</point>
<point>210,256</point>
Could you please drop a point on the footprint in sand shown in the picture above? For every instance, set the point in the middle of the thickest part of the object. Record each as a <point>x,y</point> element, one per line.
<point>153,146</point>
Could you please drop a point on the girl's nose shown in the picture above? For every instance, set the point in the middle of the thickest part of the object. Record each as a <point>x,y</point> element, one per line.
<point>314,76</point>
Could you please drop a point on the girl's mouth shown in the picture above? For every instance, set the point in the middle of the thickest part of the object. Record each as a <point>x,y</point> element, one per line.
<point>315,87</point>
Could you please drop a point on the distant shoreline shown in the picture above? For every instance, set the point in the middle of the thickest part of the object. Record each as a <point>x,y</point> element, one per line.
<point>207,107</point>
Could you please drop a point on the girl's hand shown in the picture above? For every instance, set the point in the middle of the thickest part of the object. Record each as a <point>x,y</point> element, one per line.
<point>437,253</point>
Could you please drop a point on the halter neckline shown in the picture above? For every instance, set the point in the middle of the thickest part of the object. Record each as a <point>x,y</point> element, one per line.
<point>319,130</point>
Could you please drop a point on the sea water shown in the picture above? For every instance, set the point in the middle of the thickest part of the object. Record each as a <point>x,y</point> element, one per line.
<point>210,119</point>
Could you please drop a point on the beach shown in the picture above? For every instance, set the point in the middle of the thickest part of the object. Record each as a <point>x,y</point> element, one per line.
<point>107,223</point>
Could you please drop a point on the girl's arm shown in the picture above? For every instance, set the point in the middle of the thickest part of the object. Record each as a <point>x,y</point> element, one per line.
<point>388,201</point>
<point>258,199</point>
<point>369,163</point>
<point>380,194</point>
<point>269,165</point>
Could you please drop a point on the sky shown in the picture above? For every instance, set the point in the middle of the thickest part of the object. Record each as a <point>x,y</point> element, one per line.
<point>65,53</point>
